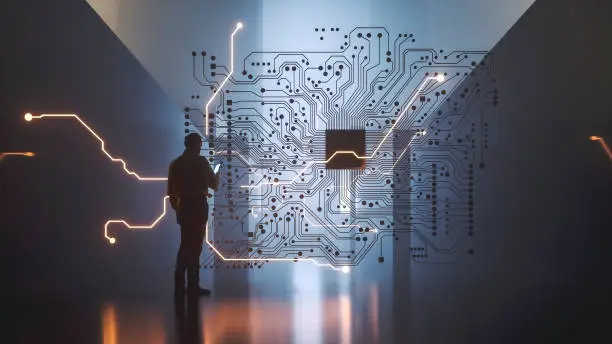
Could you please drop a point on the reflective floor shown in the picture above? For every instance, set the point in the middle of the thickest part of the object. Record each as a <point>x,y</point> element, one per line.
<point>118,300</point>
<point>303,303</point>
<point>295,303</point>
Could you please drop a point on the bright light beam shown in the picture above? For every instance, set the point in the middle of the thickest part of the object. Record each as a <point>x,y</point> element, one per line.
<point>414,97</point>
<point>29,117</point>
<point>603,145</point>
<point>238,27</point>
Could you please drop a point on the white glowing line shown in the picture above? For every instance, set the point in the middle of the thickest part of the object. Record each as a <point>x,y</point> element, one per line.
<point>113,240</point>
<point>238,27</point>
<point>266,259</point>
<point>231,153</point>
<point>401,155</point>
<point>28,117</point>
<point>406,149</point>
<point>416,94</point>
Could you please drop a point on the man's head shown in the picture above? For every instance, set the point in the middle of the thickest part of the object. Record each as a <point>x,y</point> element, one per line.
<point>193,142</point>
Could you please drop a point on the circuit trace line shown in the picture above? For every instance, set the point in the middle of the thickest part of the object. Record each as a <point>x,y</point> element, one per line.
<point>6,154</point>
<point>229,75</point>
<point>111,239</point>
<point>29,117</point>
<point>604,145</point>
<point>438,78</point>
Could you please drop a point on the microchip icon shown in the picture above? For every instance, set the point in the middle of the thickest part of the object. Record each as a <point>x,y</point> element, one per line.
<point>343,149</point>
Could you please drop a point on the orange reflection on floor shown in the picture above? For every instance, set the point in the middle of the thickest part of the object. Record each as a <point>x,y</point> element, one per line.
<point>254,321</point>
<point>271,321</point>
<point>133,326</point>
<point>345,319</point>
<point>109,324</point>
<point>250,320</point>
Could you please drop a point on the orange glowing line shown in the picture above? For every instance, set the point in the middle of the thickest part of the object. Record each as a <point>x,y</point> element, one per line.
<point>29,117</point>
<point>603,145</point>
<point>5,154</point>
<point>113,240</point>
<point>238,27</point>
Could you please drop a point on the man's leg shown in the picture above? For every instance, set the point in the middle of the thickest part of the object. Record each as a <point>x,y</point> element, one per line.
<point>195,250</point>
<point>181,262</point>
<point>198,236</point>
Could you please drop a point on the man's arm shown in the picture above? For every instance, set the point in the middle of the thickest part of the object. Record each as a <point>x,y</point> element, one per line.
<point>171,191</point>
<point>211,177</point>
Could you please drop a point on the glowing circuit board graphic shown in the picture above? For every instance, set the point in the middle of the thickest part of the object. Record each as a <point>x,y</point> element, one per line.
<point>112,239</point>
<point>413,120</point>
<point>410,121</point>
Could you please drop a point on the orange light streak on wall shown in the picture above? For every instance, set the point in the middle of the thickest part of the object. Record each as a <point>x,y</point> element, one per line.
<point>26,154</point>
<point>113,240</point>
<point>29,117</point>
<point>603,145</point>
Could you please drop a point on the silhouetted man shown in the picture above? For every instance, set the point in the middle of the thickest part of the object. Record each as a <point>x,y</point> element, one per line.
<point>189,179</point>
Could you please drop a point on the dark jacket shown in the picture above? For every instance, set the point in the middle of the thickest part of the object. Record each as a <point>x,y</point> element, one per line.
<point>190,175</point>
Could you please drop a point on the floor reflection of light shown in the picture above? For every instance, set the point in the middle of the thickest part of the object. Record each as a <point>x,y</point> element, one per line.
<point>139,326</point>
<point>307,304</point>
<point>374,309</point>
<point>222,322</point>
<point>254,321</point>
<point>345,310</point>
<point>109,324</point>
<point>604,145</point>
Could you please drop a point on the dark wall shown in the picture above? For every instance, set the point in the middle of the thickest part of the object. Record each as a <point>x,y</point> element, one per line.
<point>60,57</point>
<point>549,197</point>
<point>543,202</point>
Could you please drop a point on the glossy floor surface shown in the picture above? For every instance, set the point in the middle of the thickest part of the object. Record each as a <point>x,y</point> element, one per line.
<point>303,303</point>
<point>298,303</point>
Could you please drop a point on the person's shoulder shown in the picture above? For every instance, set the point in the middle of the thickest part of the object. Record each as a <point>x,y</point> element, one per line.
<point>176,161</point>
